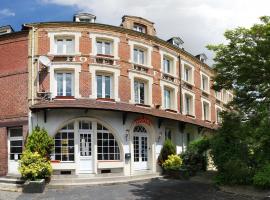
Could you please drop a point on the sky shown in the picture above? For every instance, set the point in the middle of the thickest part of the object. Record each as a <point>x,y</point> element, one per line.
<point>197,22</point>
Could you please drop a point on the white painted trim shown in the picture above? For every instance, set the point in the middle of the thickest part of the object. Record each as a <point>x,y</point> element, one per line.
<point>217,107</point>
<point>208,77</point>
<point>148,49</point>
<point>93,69</point>
<point>183,64</point>
<point>52,38</point>
<point>172,57</point>
<point>174,90</point>
<point>184,92</point>
<point>149,80</point>
<point>76,68</point>
<point>115,42</point>
<point>209,103</point>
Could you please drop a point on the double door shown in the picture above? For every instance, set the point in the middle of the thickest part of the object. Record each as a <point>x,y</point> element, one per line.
<point>86,146</point>
<point>140,145</point>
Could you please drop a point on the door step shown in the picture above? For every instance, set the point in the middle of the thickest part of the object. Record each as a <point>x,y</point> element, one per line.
<point>97,180</point>
<point>11,183</point>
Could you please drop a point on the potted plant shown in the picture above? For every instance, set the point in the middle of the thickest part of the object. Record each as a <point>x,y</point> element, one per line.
<point>34,169</point>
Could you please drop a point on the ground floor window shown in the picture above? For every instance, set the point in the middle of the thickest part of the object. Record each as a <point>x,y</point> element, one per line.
<point>108,148</point>
<point>15,143</point>
<point>64,144</point>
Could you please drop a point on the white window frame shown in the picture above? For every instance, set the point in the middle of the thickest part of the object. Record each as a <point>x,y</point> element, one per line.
<point>15,138</point>
<point>148,87</point>
<point>141,50</point>
<point>185,64</point>
<point>103,41</point>
<point>140,81</point>
<point>65,72</point>
<point>186,92</point>
<point>106,37</point>
<point>113,71</point>
<point>136,27</point>
<point>174,90</point>
<point>209,112</point>
<point>64,40</point>
<point>207,90</point>
<point>216,109</point>
<point>172,58</point>
<point>103,75</point>
<point>64,34</point>
<point>75,68</point>
<point>218,95</point>
<point>148,52</point>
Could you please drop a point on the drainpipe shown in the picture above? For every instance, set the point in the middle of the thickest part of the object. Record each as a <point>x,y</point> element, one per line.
<point>32,64</point>
<point>180,84</point>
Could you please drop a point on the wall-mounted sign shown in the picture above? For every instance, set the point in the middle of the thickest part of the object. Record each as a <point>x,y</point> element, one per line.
<point>143,120</point>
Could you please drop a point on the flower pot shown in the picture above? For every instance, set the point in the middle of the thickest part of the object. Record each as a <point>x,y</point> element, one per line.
<point>37,186</point>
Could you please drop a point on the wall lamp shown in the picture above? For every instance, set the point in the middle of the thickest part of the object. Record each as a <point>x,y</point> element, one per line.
<point>159,136</point>
<point>127,134</point>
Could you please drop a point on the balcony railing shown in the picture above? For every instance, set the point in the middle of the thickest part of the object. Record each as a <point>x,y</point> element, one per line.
<point>141,68</point>
<point>168,77</point>
<point>104,59</point>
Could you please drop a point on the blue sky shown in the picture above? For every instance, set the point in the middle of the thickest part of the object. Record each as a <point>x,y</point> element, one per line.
<point>197,22</point>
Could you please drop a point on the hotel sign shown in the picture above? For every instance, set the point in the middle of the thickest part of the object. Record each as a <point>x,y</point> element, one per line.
<point>143,120</point>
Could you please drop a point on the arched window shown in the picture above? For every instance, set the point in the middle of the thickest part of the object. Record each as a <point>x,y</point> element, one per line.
<point>64,143</point>
<point>108,148</point>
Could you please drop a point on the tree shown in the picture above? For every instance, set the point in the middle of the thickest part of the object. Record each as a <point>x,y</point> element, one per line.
<point>241,147</point>
<point>243,64</point>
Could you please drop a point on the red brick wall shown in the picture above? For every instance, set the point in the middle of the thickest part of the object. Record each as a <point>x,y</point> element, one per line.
<point>3,151</point>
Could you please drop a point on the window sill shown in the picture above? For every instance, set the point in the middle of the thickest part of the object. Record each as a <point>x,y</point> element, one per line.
<point>106,99</point>
<point>105,55</point>
<point>64,97</point>
<point>64,55</point>
<point>206,93</point>
<point>188,83</point>
<point>207,121</point>
<point>170,110</point>
<point>188,115</point>
<point>142,105</point>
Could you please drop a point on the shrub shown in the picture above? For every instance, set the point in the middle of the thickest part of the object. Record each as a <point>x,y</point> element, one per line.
<point>33,166</point>
<point>262,177</point>
<point>39,141</point>
<point>167,149</point>
<point>173,162</point>
<point>235,171</point>
<point>200,145</point>
<point>193,161</point>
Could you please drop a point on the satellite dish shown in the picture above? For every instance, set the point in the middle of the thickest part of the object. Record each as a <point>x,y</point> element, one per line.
<point>45,61</point>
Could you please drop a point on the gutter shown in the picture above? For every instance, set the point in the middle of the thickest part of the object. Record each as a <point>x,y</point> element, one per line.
<point>180,84</point>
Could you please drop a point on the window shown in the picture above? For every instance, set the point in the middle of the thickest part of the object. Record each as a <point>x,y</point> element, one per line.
<point>104,47</point>
<point>168,134</point>
<point>64,143</point>
<point>205,83</point>
<point>167,65</point>
<point>218,95</point>
<point>218,115</point>
<point>15,143</point>
<point>139,56</point>
<point>64,84</point>
<point>107,145</point>
<point>167,98</point>
<point>65,46</point>
<point>189,104</point>
<point>206,111</point>
<point>230,97</point>
<point>187,75</point>
<point>104,86</point>
<point>139,90</point>
<point>224,96</point>
<point>139,28</point>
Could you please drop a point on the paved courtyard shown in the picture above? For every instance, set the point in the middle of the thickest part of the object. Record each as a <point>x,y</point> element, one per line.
<point>143,190</point>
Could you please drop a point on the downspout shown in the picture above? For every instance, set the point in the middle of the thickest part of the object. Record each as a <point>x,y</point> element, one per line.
<point>180,84</point>
<point>32,65</point>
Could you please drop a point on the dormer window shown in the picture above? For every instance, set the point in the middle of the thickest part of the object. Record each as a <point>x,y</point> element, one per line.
<point>104,47</point>
<point>139,27</point>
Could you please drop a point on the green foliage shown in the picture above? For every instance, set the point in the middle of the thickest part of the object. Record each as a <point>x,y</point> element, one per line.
<point>193,161</point>
<point>33,166</point>
<point>39,141</point>
<point>200,145</point>
<point>173,162</point>
<point>167,149</point>
<point>262,177</point>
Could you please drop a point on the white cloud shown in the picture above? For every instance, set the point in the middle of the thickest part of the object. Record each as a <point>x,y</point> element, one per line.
<point>198,22</point>
<point>6,13</point>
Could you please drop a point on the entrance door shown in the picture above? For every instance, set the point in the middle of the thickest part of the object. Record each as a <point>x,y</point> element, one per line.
<point>15,147</point>
<point>86,165</point>
<point>140,145</point>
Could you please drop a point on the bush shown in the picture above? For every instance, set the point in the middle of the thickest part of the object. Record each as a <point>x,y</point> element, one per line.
<point>167,149</point>
<point>262,177</point>
<point>39,141</point>
<point>235,171</point>
<point>193,162</point>
<point>200,145</point>
<point>173,162</point>
<point>33,166</point>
